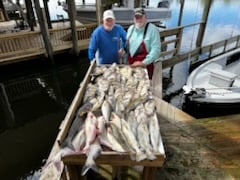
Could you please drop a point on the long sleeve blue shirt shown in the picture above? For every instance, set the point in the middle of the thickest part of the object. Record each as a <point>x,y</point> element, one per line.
<point>107,43</point>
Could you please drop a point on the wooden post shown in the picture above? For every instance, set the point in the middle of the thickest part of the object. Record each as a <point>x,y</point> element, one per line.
<point>157,79</point>
<point>4,11</point>
<point>30,14</point>
<point>99,11</point>
<point>72,17</point>
<point>203,25</point>
<point>149,173</point>
<point>45,3</point>
<point>44,30</point>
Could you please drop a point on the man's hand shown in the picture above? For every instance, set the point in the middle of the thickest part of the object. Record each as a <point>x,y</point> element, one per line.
<point>120,53</point>
<point>138,64</point>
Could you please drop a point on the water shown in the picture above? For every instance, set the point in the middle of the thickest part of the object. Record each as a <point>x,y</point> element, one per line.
<point>34,101</point>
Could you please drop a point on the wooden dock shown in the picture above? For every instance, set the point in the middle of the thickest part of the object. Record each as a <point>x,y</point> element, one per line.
<point>201,148</point>
<point>195,148</point>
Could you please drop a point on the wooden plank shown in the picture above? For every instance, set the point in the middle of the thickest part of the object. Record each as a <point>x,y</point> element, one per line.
<point>113,159</point>
<point>170,32</point>
<point>179,58</point>
<point>157,79</point>
<point>169,112</point>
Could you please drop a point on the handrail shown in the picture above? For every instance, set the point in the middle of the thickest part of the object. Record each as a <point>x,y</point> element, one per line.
<point>23,45</point>
<point>26,44</point>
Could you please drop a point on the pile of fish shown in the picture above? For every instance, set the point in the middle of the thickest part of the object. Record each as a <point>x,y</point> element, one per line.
<point>118,113</point>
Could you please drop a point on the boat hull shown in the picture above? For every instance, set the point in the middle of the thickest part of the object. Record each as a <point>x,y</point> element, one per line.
<point>215,82</point>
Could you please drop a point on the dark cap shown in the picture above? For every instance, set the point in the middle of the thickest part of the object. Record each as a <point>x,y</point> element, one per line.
<point>139,11</point>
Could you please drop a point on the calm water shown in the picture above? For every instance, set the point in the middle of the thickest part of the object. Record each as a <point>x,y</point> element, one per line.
<point>34,101</point>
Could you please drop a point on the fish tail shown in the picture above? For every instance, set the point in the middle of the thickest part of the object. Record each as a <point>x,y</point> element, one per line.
<point>86,148</point>
<point>90,164</point>
<point>140,156</point>
<point>151,156</point>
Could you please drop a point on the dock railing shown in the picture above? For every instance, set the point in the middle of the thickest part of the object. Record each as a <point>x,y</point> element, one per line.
<point>19,46</point>
<point>23,45</point>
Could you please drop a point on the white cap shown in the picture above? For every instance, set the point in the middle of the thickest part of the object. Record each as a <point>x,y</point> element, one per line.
<point>108,14</point>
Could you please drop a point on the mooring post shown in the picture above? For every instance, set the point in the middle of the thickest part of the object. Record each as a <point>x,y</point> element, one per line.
<point>72,17</point>
<point>44,30</point>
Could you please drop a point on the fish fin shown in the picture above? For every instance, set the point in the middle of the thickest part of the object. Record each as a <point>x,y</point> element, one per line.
<point>67,143</point>
<point>85,148</point>
<point>90,164</point>
<point>70,146</point>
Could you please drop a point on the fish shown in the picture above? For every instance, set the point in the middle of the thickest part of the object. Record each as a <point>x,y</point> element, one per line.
<point>79,140</point>
<point>86,107</point>
<point>127,97</point>
<point>154,131</point>
<point>90,92</point>
<point>116,137</point>
<point>76,126</point>
<point>94,151</point>
<point>144,88</point>
<point>160,145</point>
<point>126,72</point>
<point>140,73</point>
<point>102,84</point>
<point>150,107</point>
<point>132,122</point>
<point>101,124</point>
<point>112,101</point>
<point>120,108</point>
<point>135,102</point>
<point>107,139</point>
<point>144,141</point>
<point>106,110</point>
<point>129,136</point>
<point>90,130</point>
<point>98,103</point>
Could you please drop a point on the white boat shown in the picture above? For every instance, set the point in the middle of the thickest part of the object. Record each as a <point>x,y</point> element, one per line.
<point>124,15</point>
<point>215,82</point>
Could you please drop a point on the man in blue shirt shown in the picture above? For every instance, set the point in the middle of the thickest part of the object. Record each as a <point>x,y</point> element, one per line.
<point>108,39</point>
